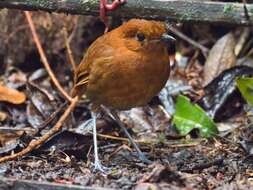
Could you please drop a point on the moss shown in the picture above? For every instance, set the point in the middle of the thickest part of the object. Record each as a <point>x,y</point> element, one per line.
<point>185,16</point>
<point>228,8</point>
<point>88,4</point>
<point>40,3</point>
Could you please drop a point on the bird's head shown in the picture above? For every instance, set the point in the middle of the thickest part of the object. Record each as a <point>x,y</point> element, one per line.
<point>144,35</point>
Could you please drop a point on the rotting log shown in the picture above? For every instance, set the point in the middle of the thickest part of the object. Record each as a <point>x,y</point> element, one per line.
<point>172,10</point>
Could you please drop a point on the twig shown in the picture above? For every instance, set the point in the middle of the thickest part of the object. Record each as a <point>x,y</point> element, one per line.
<point>119,149</point>
<point>75,22</point>
<point>50,119</point>
<point>43,56</point>
<point>189,40</point>
<point>147,142</point>
<point>67,45</point>
<point>11,129</point>
<point>115,138</point>
<point>36,143</point>
<point>17,29</point>
<point>201,166</point>
<point>125,139</point>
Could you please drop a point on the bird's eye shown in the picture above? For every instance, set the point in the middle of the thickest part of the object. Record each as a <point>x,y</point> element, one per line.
<point>140,37</point>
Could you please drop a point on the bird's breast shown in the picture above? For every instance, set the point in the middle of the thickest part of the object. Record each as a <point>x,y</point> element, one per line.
<point>129,80</point>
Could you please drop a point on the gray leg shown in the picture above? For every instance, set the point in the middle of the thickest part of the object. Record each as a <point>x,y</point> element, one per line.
<point>97,163</point>
<point>114,116</point>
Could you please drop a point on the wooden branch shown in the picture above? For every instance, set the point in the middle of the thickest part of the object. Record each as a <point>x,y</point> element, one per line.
<point>172,10</point>
<point>36,143</point>
<point>44,58</point>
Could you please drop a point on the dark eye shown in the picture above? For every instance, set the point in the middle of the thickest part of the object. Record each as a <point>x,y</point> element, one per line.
<point>140,37</point>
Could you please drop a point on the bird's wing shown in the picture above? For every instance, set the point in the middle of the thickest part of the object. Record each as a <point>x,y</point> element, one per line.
<point>98,53</point>
<point>82,78</point>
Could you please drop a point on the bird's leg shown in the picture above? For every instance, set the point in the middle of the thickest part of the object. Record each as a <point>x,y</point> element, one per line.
<point>114,116</point>
<point>104,7</point>
<point>97,163</point>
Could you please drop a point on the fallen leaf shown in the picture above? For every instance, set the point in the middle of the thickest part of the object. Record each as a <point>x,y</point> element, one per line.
<point>189,116</point>
<point>245,86</point>
<point>9,140</point>
<point>16,79</point>
<point>171,90</point>
<point>221,99</point>
<point>11,95</point>
<point>42,100</point>
<point>220,57</point>
<point>34,117</point>
<point>137,119</point>
<point>3,116</point>
<point>242,40</point>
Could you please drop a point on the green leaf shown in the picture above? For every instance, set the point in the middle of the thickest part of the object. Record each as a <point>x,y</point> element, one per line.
<point>245,86</point>
<point>190,116</point>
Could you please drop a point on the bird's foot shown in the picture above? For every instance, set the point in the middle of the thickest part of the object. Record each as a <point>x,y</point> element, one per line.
<point>97,164</point>
<point>85,127</point>
<point>143,158</point>
<point>99,167</point>
<point>104,7</point>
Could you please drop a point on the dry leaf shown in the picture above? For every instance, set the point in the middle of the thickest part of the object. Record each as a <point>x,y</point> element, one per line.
<point>242,40</point>
<point>3,116</point>
<point>16,78</point>
<point>11,95</point>
<point>221,57</point>
<point>9,140</point>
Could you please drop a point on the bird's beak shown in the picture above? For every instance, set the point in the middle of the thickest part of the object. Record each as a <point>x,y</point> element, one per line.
<point>167,38</point>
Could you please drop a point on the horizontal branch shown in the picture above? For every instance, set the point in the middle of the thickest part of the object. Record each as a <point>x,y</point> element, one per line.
<point>172,10</point>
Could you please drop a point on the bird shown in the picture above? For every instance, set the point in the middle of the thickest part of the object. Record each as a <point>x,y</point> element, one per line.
<point>123,69</point>
<point>104,7</point>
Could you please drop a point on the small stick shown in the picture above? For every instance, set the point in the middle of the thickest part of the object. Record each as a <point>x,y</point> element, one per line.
<point>122,138</point>
<point>11,129</point>
<point>67,45</point>
<point>36,143</point>
<point>75,20</point>
<point>50,119</point>
<point>43,56</point>
<point>216,162</point>
<point>186,38</point>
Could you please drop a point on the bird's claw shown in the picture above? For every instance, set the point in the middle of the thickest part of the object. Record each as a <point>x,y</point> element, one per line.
<point>144,159</point>
<point>99,167</point>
